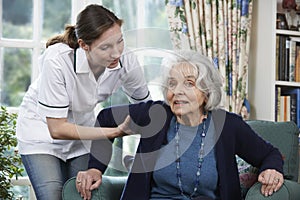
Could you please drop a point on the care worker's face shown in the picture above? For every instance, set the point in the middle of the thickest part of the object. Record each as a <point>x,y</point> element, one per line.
<point>107,50</point>
<point>185,99</point>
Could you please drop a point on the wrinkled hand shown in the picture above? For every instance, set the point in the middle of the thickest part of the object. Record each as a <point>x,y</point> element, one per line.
<point>88,180</point>
<point>271,181</point>
<point>124,127</point>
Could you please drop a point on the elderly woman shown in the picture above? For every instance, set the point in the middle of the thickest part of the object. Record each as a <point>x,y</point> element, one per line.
<point>188,143</point>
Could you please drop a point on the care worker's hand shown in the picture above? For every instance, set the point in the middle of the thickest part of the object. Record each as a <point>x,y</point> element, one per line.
<point>271,181</point>
<point>88,180</point>
<point>125,127</point>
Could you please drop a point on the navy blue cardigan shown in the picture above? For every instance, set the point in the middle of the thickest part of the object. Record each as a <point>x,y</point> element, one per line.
<point>152,119</point>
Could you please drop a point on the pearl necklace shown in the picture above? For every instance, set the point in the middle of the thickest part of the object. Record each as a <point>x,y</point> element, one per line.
<point>200,159</point>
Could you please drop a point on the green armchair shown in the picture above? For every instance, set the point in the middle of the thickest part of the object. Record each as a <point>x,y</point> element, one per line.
<point>283,135</point>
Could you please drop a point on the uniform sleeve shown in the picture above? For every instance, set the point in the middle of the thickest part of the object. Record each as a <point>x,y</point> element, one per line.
<point>134,82</point>
<point>53,100</point>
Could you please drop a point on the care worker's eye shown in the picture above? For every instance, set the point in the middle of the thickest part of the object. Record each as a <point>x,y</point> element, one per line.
<point>120,40</point>
<point>104,47</point>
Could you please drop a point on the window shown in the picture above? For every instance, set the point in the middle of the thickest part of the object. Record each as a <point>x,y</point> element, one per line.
<point>26,24</point>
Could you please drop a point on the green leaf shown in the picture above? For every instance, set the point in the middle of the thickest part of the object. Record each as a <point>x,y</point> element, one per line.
<point>9,160</point>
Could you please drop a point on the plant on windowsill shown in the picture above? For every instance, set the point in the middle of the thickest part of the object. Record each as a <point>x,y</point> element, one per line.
<point>9,159</point>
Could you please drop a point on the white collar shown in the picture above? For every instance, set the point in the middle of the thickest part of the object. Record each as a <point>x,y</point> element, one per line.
<point>82,65</point>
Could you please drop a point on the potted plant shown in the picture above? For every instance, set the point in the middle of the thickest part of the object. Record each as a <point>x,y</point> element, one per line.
<point>10,161</point>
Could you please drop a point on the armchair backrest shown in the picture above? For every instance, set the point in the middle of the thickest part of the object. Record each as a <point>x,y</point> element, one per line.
<point>284,136</point>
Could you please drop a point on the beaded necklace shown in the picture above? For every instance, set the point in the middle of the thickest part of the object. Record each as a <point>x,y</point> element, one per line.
<point>200,159</point>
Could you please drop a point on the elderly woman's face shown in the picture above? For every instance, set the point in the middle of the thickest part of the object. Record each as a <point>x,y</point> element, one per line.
<point>185,99</point>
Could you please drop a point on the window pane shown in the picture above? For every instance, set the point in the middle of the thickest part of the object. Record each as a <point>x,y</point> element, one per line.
<point>152,70</point>
<point>152,13</point>
<point>155,15</point>
<point>151,64</point>
<point>125,10</point>
<point>17,19</point>
<point>57,14</point>
<point>21,192</point>
<point>145,22</point>
<point>15,77</point>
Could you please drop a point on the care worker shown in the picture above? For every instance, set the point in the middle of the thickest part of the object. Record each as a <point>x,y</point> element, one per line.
<point>79,68</point>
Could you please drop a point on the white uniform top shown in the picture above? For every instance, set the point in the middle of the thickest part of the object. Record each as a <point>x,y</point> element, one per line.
<point>64,92</point>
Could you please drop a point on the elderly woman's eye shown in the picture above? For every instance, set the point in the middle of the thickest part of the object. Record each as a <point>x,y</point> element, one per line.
<point>171,84</point>
<point>189,84</point>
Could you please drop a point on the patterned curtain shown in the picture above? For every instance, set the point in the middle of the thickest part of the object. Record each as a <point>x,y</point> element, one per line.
<point>219,29</point>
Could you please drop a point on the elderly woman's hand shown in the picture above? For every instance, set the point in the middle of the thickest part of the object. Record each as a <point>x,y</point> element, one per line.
<point>271,181</point>
<point>88,180</point>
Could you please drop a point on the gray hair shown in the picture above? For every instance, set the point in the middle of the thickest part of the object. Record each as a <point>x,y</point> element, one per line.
<point>209,80</point>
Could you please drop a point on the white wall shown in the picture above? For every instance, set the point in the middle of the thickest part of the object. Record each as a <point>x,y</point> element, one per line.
<point>262,60</point>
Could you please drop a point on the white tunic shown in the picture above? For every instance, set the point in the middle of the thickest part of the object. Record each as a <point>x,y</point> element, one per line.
<point>60,92</point>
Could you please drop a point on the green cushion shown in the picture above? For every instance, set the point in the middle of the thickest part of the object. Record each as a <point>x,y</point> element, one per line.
<point>289,191</point>
<point>110,189</point>
<point>284,136</point>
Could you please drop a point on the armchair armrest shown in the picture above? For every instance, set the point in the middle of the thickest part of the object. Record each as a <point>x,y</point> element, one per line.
<point>290,190</point>
<point>111,188</point>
